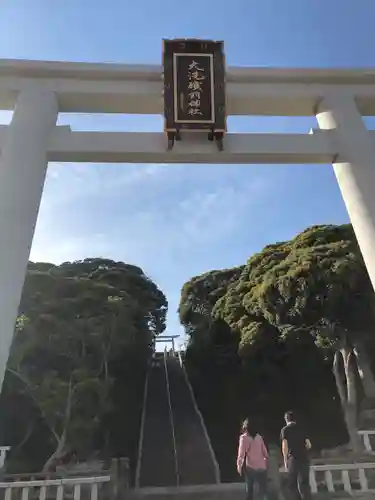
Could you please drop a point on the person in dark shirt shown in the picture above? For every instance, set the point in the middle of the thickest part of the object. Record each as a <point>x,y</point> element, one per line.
<point>295,446</point>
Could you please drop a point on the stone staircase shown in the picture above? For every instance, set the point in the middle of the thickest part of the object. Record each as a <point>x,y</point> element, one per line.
<point>157,465</point>
<point>177,463</point>
<point>195,461</point>
<point>175,447</point>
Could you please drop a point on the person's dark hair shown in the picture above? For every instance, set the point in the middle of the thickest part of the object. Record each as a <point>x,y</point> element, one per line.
<point>249,428</point>
<point>289,416</point>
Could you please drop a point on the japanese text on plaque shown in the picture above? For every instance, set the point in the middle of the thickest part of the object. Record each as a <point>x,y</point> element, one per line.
<point>196,77</point>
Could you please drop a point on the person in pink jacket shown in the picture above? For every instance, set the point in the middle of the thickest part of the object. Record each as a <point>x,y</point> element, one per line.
<point>252,461</point>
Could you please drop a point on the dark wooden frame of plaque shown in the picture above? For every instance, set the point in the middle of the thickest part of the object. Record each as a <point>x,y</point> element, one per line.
<point>214,115</point>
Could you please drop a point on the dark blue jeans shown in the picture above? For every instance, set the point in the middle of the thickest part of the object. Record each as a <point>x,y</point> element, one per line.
<point>252,477</point>
<point>299,479</point>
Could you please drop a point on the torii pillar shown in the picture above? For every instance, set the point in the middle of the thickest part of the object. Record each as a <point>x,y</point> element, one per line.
<point>23,169</point>
<point>354,168</point>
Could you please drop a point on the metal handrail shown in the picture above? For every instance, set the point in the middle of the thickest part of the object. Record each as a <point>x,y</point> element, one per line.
<point>141,433</point>
<point>201,420</point>
<point>177,472</point>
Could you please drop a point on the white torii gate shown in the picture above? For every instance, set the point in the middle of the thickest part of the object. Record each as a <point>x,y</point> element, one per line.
<point>37,91</point>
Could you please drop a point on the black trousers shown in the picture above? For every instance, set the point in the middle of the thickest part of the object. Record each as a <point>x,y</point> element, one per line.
<point>299,478</point>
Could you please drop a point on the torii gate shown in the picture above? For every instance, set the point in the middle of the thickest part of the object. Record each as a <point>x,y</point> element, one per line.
<point>38,91</point>
<point>166,339</point>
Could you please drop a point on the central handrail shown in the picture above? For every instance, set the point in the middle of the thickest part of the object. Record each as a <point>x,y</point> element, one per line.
<point>141,432</point>
<point>177,472</point>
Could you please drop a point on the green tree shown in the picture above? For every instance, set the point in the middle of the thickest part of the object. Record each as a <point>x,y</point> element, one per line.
<point>316,282</point>
<point>253,368</point>
<point>198,298</point>
<point>78,322</point>
<point>297,320</point>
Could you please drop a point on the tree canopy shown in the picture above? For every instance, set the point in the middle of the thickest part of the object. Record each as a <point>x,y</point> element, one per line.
<point>288,314</point>
<point>290,327</point>
<point>318,277</point>
<point>83,337</point>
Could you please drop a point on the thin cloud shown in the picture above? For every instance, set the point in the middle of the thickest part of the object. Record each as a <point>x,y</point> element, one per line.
<point>91,180</point>
<point>133,208</point>
<point>169,219</point>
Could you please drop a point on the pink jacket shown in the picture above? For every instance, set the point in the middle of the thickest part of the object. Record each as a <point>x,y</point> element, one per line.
<point>255,451</point>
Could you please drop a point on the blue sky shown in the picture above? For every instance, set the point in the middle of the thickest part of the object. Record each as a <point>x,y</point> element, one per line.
<point>176,221</point>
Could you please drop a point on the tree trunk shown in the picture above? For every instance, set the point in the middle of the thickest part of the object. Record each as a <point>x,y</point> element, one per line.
<point>341,389</point>
<point>27,436</point>
<point>61,449</point>
<point>348,394</point>
<point>57,455</point>
<point>365,371</point>
<point>349,364</point>
<point>350,409</point>
<point>343,393</point>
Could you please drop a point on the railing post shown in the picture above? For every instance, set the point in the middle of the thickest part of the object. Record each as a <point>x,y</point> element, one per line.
<point>55,488</point>
<point>276,492</point>
<point>3,453</point>
<point>180,358</point>
<point>365,435</point>
<point>124,467</point>
<point>114,474</point>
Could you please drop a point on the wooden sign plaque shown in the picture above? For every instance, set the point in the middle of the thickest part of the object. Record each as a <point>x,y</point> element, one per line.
<point>194,88</point>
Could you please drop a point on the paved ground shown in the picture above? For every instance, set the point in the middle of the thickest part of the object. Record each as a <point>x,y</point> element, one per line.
<point>233,491</point>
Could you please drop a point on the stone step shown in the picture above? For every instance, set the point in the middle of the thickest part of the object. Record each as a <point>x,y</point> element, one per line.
<point>201,492</point>
<point>229,491</point>
<point>157,463</point>
<point>195,463</point>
